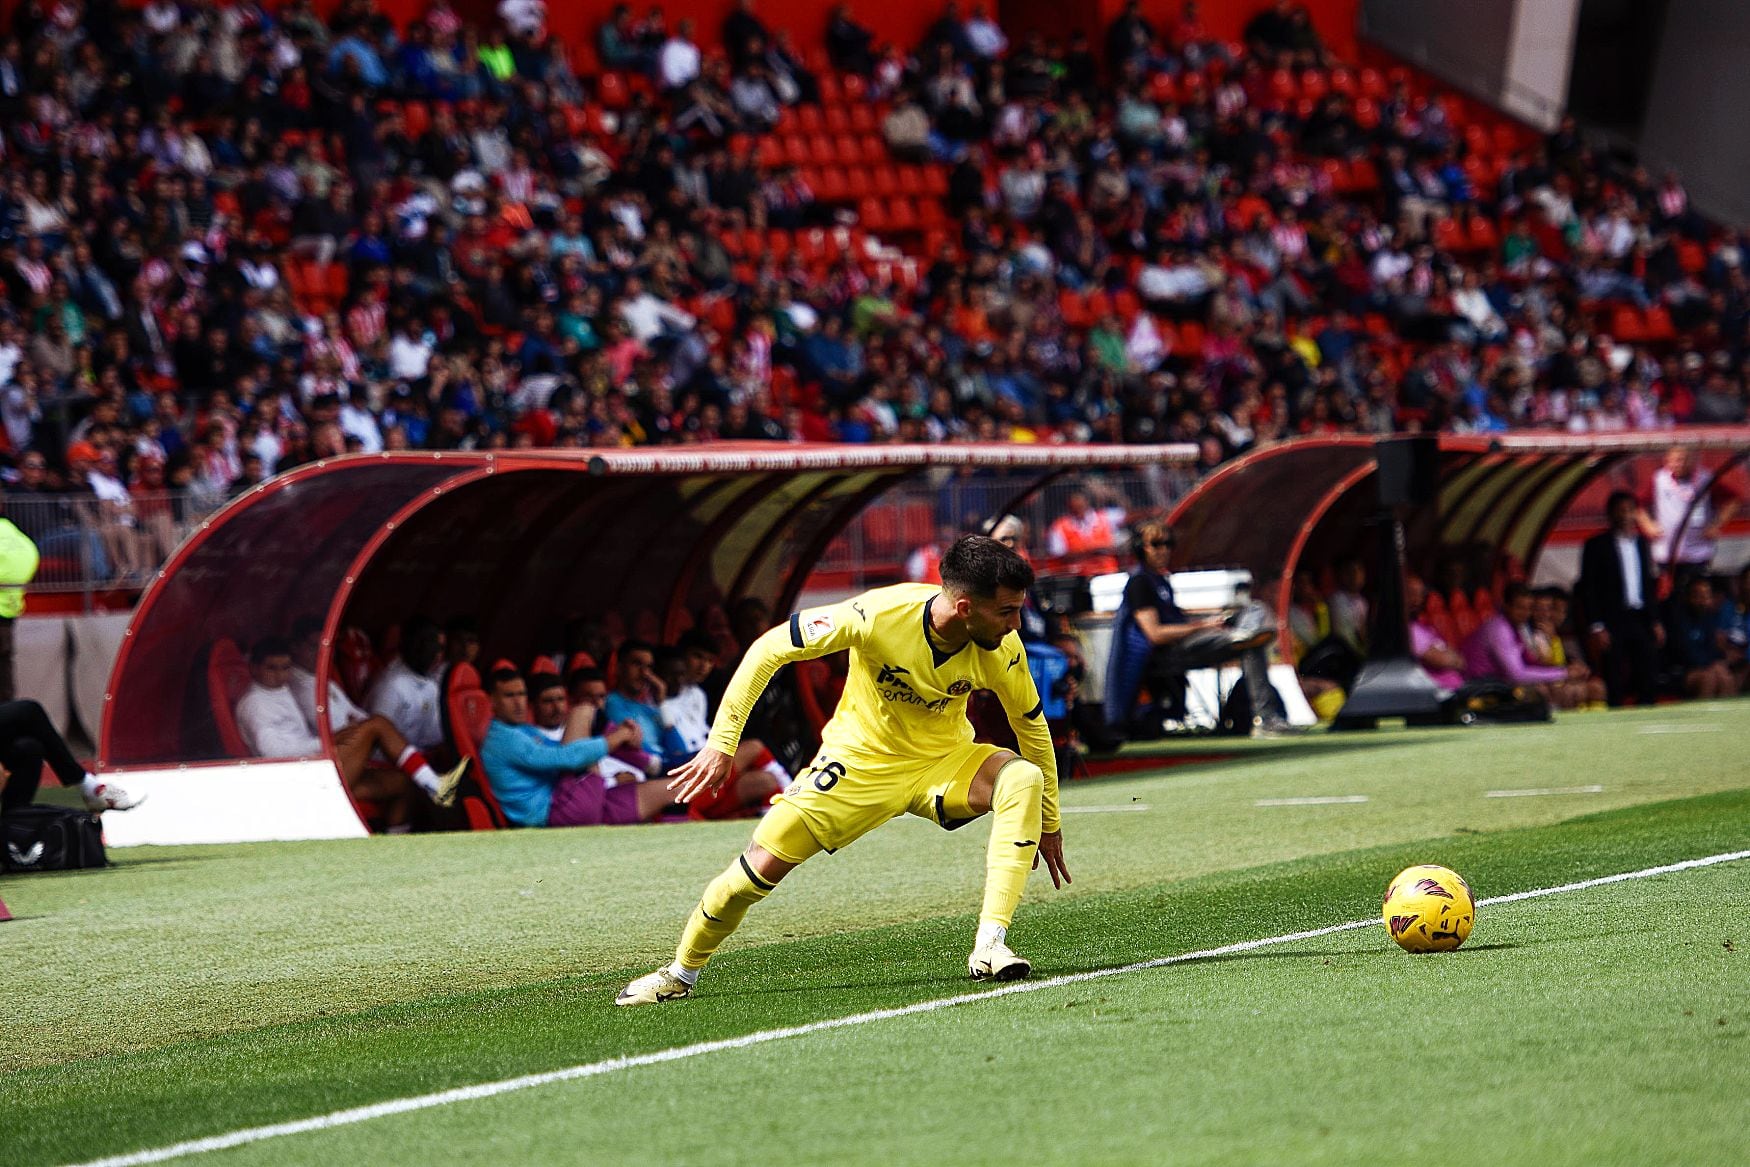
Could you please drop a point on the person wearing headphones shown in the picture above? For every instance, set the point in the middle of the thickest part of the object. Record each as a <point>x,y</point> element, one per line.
<point>1155,643</point>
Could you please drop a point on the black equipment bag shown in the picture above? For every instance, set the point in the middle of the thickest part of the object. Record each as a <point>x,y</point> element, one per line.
<point>51,838</point>
<point>1495,703</point>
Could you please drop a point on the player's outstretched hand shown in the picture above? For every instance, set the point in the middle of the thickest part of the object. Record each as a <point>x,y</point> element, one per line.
<point>707,770</point>
<point>1051,850</point>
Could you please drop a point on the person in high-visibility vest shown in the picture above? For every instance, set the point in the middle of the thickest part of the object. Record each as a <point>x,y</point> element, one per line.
<point>18,561</point>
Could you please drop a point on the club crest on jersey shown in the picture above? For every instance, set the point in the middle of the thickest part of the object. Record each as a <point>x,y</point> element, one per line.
<point>816,627</point>
<point>960,688</point>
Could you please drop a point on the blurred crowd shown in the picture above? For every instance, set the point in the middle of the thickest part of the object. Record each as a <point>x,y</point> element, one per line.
<point>233,240</point>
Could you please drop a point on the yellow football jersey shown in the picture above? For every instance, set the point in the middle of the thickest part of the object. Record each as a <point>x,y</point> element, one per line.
<point>904,698</point>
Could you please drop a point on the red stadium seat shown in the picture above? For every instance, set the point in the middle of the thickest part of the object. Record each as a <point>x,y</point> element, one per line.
<point>612,91</point>
<point>871,215</point>
<point>227,680</point>
<point>808,119</point>
<point>838,120</point>
<point>467,717</point>
<point>883,181</point>
<point>863,120</point>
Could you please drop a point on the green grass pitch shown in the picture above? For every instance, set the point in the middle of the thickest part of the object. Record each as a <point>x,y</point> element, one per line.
<point>191,992</point>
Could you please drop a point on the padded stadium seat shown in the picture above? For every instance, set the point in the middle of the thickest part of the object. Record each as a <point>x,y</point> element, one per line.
<point>1484,236</point>
<point>847,151</point>
<point>795,150</point>
<point>873,149</point>
<point>935,181</point>
<point>1449,236</point>
<point>1161,89</point>
<point>808,119</point>
<point>883,181</point>
<point>1073,308</point>
<point>1366,113</point>
<point>1342,80</point>
<point>1282,87</point>
<point>831,92</point>
<point>863,120</point>
<point>1372,84</point>
<point>227,680</point>
<point>872,216</point>
<point>1315,84</point>
<point>902,216</point>
<point>834,185</point>
<point>838,120</point>
<point>467,716</point>
<point>1506,138</point>
<point>778,247</point>
<point>771,153</point>
<point>612,91</point>
<point>415,119</point>
<point>1659,325</point>
<point>1691,256</point>
<point>911,181</point>
<point>852,88</point>
<point>820,150</point>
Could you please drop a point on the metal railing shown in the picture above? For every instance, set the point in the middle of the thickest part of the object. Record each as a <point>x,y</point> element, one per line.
<point>92,544</point>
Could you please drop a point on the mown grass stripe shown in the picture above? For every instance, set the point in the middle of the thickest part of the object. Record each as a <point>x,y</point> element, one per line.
<point>360,1114</point>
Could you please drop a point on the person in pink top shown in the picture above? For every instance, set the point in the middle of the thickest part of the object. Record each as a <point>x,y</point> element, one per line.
<point>1443,663</point>
<point>1495,651</point>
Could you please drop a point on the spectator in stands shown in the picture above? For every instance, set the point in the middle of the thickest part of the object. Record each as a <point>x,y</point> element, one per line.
<point>407,691</point>
<point>1684,520</point>
<point>540,783</point>
<point>273,725</point>
<point>1154,644</point>
<point>618,45</point>
<point>1496,650</point>
<point>1696,642</point>
<point>28,742</point>
<point>1086,534</point>
<point>461,641</point>
<point>745,36</point>
<point>678,61</point>
<point>849,46</point>
<point>1443,663</point>
<point>1617,597</point>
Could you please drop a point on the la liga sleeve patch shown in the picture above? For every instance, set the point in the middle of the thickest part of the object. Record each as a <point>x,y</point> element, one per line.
<point>816,626</point>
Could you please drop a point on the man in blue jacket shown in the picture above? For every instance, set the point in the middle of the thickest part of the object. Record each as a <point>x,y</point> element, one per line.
<point>542,783</point>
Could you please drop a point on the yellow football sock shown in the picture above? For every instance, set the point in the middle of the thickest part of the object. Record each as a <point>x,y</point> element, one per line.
<point>720,912</point>
<point>1014,839</point>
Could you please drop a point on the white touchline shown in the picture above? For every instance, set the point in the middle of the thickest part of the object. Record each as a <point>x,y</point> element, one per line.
<point>1312,800</point>
<point>1128,806</point>
<point>1535,791</point>
<point>1666,727</point>
<point>339,1118</point>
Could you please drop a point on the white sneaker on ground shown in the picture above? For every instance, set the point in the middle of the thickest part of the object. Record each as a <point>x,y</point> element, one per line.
<point>108,796</point>
<point>449,782</point>
<point>654,988</point>
<point>995,960</point>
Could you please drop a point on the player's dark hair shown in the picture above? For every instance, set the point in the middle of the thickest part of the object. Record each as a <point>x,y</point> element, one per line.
<point>1513,591</point>
<point>544,681</point>
<point>269,646</point>
<point>583,675</point>
<point>978,565</point>
<point>628,647</point>
<point>421,643</point>
<point>305,627</point>
<point>696,640</point>
<point>1617,496</point>
<point>498,677</point>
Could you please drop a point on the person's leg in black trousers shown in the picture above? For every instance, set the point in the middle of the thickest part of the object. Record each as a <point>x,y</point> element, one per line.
<point>23,760</point>
<point>25,721</point>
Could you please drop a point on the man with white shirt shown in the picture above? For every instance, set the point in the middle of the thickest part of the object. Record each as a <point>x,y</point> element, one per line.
<point>1676,486</point>
<point>407,693</point>
<point>274,724</point>
<point>648,316</point>
<point>1618,596</point>
<point>983,36</point>
<point>677,61</point>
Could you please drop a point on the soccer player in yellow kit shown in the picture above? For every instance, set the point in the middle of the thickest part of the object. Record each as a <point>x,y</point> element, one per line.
<point>899,743</point>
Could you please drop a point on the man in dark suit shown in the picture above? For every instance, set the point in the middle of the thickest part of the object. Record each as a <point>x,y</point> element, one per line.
<point>1617,593</point>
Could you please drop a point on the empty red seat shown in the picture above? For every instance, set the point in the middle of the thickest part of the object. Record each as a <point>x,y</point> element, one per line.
<point>612,91</point>
<point>809,120</point>
<point>863,119</point>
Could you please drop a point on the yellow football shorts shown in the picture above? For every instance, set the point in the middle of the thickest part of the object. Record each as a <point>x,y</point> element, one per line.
<point>839,798</point>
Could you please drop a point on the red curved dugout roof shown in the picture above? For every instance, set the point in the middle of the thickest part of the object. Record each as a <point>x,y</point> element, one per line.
<point>518,539</point>
<point>1505,491</point>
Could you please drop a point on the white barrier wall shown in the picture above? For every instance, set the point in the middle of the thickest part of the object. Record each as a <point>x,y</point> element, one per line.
<point>63,663</point>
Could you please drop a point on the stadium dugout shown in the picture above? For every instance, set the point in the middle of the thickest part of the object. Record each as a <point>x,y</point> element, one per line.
<point>1498,500</point>
<point>522,540</point>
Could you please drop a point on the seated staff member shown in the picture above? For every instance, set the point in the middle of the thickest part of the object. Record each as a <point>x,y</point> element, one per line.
<point>273,724</point>
<point>1154,641</point>
<point>542,783</point>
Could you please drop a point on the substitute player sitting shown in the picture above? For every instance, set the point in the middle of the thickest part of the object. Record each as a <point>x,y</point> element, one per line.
<point>899,743</point>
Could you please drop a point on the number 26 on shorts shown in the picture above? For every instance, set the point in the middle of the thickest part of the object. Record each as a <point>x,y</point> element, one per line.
<point>827,774</point>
